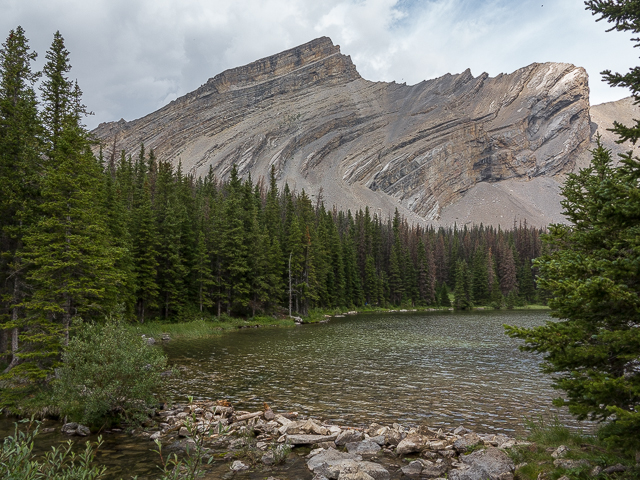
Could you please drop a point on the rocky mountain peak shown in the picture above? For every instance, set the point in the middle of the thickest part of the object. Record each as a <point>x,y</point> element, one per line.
<point>419,148</point>
<point>313,61</point>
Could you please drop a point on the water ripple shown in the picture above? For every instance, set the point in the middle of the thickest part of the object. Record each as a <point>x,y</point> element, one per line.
<point>441,368</point>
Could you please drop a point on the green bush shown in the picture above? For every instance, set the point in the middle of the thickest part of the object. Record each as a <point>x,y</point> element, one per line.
<point>17,461</point>
<point>109,375</point>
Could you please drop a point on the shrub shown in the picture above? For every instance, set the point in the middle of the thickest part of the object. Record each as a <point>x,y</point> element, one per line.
<point>17,461</point>
<point>109,374</point>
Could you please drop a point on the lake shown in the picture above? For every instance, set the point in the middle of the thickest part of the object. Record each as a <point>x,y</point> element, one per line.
<point>435,368</point>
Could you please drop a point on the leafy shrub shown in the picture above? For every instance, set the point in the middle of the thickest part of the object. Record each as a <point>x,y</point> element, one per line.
<point>61,463</point>
<point>109,374</point>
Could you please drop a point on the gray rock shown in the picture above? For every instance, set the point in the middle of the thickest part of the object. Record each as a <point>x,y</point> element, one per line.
<point>433,471</point>
<point>488,464</point>
<point>349,436</point>
<point>330,462</point>
<point>375,470</point>
<point>69,428</point>
<point>617,468</point>
<point>467,442</point>
<point>238,466</point>
<point>312,427</point>
<point>151,341</point>
<point>155,436</point>
<point>183,432</point>
<point>365,447</point>
<point>411,444</point>
<point>268,458</point>
<point>560,452</point>
<point>414,468</point>
<point>566,463</point>
<point>392,437</point>
<point>82,431</point>
<point>461,431</point>
<point>317,476</point>
<point>379,439</point>
<point>269,415</point>
<point>595,471</point>
<point>309,439</point>
<point>353,472</point>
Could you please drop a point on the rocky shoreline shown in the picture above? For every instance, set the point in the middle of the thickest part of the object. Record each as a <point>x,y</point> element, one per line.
<point>247,441</point>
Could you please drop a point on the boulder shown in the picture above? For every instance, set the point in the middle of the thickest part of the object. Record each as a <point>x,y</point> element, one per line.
<point>488,464</point>
<point>330,462</point>
<point>312,427</point>
<point>349,436</point>
<point>73,428</point>
<point>433,471</point>
<point>467,442</point>
<point>183,432</point>
<point>353,472</point>
<point>238,466</point>
<point>566,463</point>
<point>365,447</point>
<point>560,452</point>
<point>392,437</point>
<point>69,428</point>
<point>617,468</point>
<point>269,415</point>
<point>412,443</point>
<point>379,439</point>
<point>375,470</point>
<point>309,439</point>
<point>414,468</point>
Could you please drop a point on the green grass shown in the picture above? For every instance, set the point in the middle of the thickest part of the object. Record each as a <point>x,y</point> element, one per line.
<point>207,328</point>
<point>535,460</point>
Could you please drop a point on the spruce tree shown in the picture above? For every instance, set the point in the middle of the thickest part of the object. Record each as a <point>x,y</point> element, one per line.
<point>145,255</point>
<point>20,148</point>
<point>70,246</point>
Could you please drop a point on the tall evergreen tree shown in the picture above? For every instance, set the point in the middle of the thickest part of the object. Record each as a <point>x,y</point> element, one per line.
<point>20,147</point>
<point>73,260</point>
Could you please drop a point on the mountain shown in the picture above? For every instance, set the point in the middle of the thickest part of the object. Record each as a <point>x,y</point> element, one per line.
<point>438,151</point>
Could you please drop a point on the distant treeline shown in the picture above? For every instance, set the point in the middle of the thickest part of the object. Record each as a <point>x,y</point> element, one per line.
<point>237,247</point>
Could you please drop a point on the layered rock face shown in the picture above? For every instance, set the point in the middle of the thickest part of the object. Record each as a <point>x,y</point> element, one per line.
<point>419,148</point>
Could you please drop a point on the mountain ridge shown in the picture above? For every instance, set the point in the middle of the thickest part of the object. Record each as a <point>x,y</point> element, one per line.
<point>418,148</point>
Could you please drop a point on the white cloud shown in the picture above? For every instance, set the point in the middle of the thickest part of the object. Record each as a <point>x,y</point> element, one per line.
<point>132,57</point>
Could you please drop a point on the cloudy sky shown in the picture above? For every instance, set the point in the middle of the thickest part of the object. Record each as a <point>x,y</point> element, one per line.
<point>131,57</point>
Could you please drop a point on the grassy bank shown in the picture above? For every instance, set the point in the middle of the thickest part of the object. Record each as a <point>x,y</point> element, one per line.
<point>555,451</point>
<point>212,326</point>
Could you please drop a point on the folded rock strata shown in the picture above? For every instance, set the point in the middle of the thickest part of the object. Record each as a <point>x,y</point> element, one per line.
<point>310,115</point>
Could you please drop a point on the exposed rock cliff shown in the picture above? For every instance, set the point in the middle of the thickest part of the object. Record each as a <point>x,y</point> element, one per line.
<point>308,112</point>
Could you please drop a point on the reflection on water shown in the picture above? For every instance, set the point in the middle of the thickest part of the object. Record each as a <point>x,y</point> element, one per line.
<point>440,368</point>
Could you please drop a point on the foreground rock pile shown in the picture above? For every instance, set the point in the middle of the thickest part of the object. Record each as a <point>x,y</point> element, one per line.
<point>379,452</point>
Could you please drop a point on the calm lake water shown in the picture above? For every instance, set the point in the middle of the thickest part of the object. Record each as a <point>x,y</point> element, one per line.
<point>439,368</point>
<point>435,368</point>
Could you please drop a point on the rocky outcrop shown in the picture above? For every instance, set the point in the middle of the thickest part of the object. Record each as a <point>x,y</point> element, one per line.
<point>308,113</point>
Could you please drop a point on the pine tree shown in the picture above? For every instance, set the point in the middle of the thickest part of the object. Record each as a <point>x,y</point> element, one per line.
<point>20,130</point>
<point>463,291</point>
<point>145,255</point>
<point>70,247</point>
<point>204,275</point>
